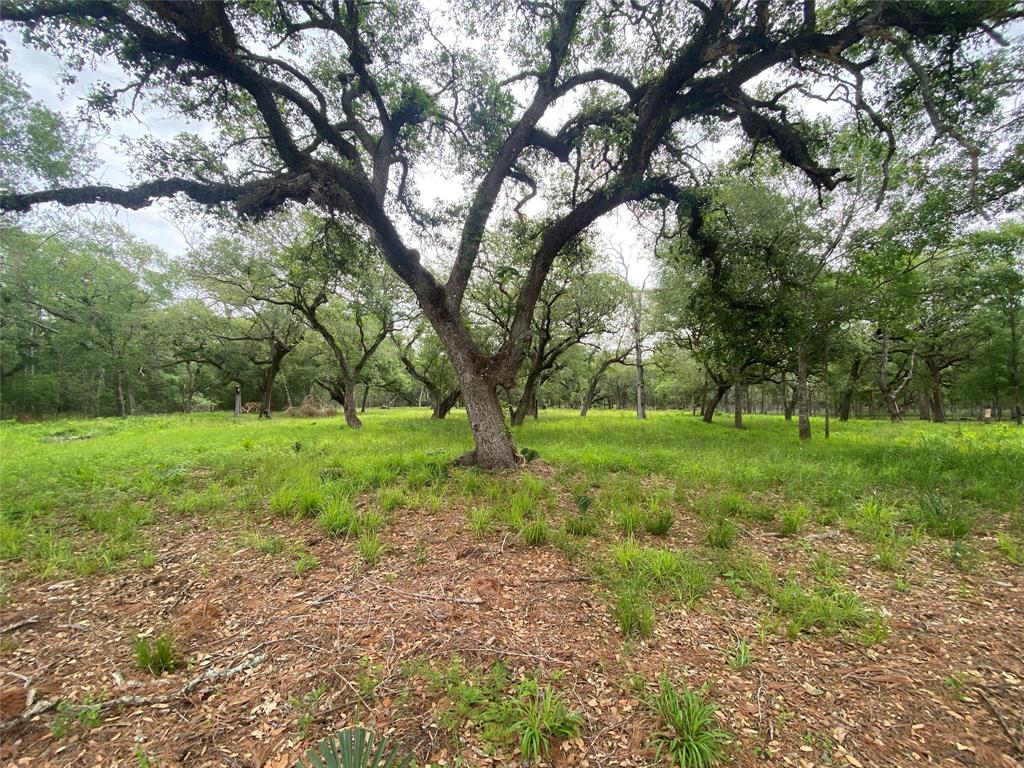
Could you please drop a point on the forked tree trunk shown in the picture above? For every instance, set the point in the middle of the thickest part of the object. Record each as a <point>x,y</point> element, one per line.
<point>888,394</point>
<point>789,406</point>
<point>442,405</point>
<point>269,377</point>
<point>802,394</point>
<point>527,402</point>
<point>712,404</point>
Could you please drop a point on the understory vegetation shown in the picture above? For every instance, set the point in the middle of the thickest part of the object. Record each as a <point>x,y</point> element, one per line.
<point>658,515</point>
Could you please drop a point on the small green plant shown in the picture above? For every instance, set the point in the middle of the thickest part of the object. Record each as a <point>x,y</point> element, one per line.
<point>793,520</point>
<point>90,715</point>
<point>741,655</point>
<point>963,556</point>
<point>158,654</point>
<point>305,562</point>
<point>876,631</point>
<point>147,559</point>
<point>541,718</point>
<point>307,706</point>
<point>481,520</point>
<point>634,612</point>
<point>337,517</point>
<point>581,524</point>
<point>659,519</point>
<point>371,548</point>
<point>629,520</point>
<point>355,748</point>
<point>691,737</point>
<point>535,532</point>
<point>1012,549</point>
<point>141,758</point>
<point>722,533</point>
<point>940,518</point>
<point>272,545</point>
<point>826,570</point>
<point>958,684</point>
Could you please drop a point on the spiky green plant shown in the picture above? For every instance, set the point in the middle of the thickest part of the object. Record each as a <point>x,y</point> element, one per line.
<point>691,736</point>
<point>355,748</point>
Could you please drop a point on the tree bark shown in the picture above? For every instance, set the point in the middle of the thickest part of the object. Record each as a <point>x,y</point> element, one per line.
<point>641,405</point>
<point>526,402</point>
<point>119,381</point>
<point>789,406</point>
<point>737,411</point>
<point>888,395</point>
<point>924,404</point>
<point>351,417</point>
<point>846,399</point>
<point>494,447</point>
<point>366,396</point>
<point>712,404</point>
<point>802,393</point>
<point>442,405</point>
<point>238,400</point>
<point>277,354</point>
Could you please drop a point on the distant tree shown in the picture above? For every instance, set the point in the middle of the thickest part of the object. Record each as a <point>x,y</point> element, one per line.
<point>81,310</point>
<point>324,273</point>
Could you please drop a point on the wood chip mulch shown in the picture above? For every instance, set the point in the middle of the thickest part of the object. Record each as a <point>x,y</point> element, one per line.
<point>946,688</point>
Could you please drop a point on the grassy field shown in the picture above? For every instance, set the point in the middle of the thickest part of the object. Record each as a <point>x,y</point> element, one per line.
<point>76,495</point>
<point>760,555</point>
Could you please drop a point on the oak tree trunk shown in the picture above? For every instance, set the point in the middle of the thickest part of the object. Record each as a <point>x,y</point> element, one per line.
<point>712,404</point>
<point>351,417</point>
<point>802,394</point>
<point>494,447</point>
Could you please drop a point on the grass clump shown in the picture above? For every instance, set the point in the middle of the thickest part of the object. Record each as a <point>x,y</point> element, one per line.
<point>828,609</point>
<point>582,524</point>
<point>634,612</point>
<point>525,715</point>
<point>659,519</point>
<point>371,548</point>
<point>1012,549</point>
<point>741,655</point>
<point>793,520</point>
<point>158,655</point>
<point>629,520</point>
<point>337,517</point>
<point>304,563</point>
<point>535,533</point>
<point>541,719</point>
<point>940,518</point>
<point>721,533</point>
<point>690,735</point>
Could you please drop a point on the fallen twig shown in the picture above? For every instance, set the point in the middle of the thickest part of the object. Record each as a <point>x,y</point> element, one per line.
<point>210,675</point>
<point>440,598</point>
<point>1016,739</point>
<point>19,624</point>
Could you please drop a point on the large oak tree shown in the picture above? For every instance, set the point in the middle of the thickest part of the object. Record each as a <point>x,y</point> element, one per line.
<point>345,105</point>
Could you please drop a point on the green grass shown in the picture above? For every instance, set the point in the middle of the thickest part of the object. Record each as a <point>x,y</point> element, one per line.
<point>523,715</point>
<point>158,655</point>
<point>690,735</point>
<point>84,506</point>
